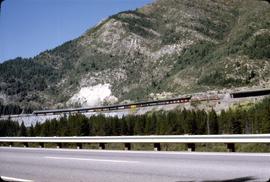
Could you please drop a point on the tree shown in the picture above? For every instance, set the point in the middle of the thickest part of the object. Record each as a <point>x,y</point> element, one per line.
<point>31,131</point>
<point>23,130</point>
<point>172,122</point>
<point>213,122</point>
<point>190,125</point>
<point>236,123</point>
<point>9,128</point>
<point>150,124</point>
<point>201,120</point>
<point>85,128</point>
<point>139,125</point>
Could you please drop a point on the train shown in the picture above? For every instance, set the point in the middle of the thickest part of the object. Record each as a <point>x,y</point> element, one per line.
<point>116,107</point>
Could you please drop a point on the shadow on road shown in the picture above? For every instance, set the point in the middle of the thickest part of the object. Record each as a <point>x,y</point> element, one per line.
<point>242,179</point>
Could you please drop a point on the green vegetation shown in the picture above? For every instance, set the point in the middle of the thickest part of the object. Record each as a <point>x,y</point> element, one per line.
<point>13,109</point>
<point>218,78</point>
<point>252,120</point>
<point>22,76</point>
<point>195,55</point>
<point>258,47</point>
<point>136,22</point>
<point>9,128</point>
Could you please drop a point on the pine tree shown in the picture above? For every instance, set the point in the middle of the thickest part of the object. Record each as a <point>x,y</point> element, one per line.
<point>201,122</point>
<point>31,131</point>
<point>150,125</point>
<point>213,122</point>
<point>23,130</point>
<point>190,125</point>
<point>84,128</point>
<point>172,122</point>
<point>236,123</point>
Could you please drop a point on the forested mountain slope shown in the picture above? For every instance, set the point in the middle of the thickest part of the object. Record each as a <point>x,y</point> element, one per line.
<point>171,46</point>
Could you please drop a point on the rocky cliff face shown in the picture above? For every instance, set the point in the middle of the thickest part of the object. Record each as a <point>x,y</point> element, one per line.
<point>169,47</point>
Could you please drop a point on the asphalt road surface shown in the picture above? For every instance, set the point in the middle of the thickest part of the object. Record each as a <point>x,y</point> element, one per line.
<point>64,165</point>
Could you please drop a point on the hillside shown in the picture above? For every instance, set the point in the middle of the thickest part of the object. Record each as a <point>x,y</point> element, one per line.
<point>169,47</point>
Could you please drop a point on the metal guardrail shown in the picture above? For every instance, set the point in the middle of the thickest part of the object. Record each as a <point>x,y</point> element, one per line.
<point>252,138</point>
<point>190,140</point>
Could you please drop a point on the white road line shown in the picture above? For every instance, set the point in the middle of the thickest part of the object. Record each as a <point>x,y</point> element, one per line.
<point>87,159</point>
<point>5,178</point>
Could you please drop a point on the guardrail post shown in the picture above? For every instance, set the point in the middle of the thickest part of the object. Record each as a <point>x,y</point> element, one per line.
<point>10,144</point>
<point>127,146</point>
<point>191,147</point>
<point>157,147</point>
<point>25,144</point>
<point>41,145</point>
<point>101,146</point>
<point>79,145</point>
<point>59,145</point>
<point>230,147</point>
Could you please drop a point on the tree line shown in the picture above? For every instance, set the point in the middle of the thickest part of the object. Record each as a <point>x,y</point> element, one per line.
<point>10,109</point>
<point>254,120</point>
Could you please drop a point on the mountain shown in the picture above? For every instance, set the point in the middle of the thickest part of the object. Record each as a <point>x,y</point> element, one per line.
<point>166,48</point>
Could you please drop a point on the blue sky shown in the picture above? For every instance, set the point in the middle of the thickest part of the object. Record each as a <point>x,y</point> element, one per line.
<point>28,27</point>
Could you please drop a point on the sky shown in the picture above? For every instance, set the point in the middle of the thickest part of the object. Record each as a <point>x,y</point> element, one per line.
<point>28,27</point>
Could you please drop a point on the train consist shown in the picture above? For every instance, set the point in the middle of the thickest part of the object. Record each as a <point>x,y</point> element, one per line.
<point>117,107</point>
<point>187,99</point>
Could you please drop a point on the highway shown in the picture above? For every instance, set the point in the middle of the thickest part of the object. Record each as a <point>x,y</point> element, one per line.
<point>34,164</point>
